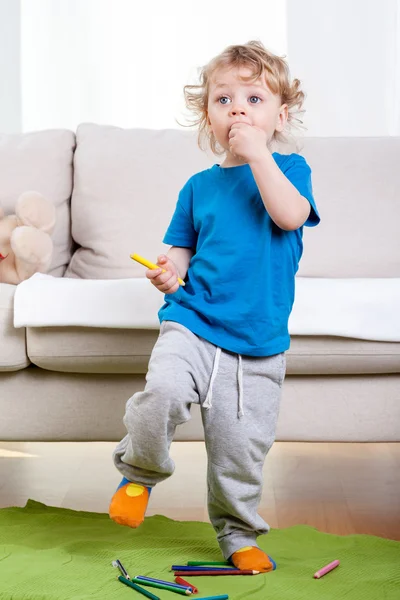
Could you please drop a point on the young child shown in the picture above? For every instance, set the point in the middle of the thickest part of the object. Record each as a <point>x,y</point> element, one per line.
<point>236,238</point>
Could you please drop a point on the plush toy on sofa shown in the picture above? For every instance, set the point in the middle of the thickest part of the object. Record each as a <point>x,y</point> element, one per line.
<point>25,243</point>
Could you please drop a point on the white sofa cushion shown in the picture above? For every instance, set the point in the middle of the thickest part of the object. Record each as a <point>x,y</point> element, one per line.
<point>126,184</point>
<point>13,355</point>
<point>366,309</point>
<point>41,161</point>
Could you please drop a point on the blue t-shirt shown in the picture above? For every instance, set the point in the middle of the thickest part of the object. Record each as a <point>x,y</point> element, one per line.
<point>240,283</point>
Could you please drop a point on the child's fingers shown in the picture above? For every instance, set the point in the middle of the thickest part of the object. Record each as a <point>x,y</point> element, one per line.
<point>164,281</point>
<point>153,273</point>
<point>165,278</point>
<point>170,286</point>
<point>165,263</point>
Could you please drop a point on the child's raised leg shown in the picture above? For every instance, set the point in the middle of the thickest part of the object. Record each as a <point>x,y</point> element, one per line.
<point>142,457</point>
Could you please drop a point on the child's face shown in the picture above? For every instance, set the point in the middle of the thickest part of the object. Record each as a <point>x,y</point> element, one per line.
<point>232,100</point>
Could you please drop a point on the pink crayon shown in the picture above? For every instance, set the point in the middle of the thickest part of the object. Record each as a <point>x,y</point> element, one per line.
<point>326,569</point>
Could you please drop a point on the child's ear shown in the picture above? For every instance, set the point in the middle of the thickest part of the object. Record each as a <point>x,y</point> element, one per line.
<point>282,118</point>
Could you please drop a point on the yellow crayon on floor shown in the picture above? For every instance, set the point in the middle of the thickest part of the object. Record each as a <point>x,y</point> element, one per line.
<point>150,265</point>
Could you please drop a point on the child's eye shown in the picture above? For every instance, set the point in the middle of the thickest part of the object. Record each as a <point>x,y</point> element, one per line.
<point>255,99</point>
<point>222,99</point>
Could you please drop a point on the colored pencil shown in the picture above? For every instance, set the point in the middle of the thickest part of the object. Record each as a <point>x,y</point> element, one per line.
<point>170,583</point>
<point>215,573</point>
<point>223,597</point>
<point>150,265</point>
<point>201,563</point>
<point>163,586</point>
<point>117,563</point>
<point>184,582</point>
<point>204,568</point>
<point>138,588</point>
<point>326,569</point>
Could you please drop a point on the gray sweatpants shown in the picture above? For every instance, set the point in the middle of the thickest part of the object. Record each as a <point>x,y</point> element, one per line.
<point>239,398</point>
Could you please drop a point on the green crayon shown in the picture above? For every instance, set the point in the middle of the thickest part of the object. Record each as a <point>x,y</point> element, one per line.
<point>138,588</point>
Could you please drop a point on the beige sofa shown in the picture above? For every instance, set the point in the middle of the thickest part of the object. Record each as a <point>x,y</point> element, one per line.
<point>118,188</point>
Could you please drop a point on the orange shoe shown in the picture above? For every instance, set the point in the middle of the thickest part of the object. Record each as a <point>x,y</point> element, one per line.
<point>129,503</point>
<point>253,558</point>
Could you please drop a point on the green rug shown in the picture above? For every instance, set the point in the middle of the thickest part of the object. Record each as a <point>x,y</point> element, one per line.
<point>56,554</point>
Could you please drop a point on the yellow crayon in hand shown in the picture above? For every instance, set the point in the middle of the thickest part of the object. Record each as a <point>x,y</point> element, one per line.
<point>150,265</point>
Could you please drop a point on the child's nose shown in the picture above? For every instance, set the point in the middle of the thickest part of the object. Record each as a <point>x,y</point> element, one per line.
<point>237,111</point>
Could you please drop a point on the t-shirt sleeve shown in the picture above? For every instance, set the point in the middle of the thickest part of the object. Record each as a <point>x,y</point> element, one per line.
<point>299,174</point>
<point>181,230</point>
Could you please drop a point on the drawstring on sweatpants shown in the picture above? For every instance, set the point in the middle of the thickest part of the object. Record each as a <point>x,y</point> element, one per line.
<point>208,401</point>
<point>240,384</point>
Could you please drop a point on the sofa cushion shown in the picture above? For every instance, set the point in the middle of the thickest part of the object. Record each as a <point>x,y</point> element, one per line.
<point>41,161</point>
<point>353,308</point>
<point>126,184</point>
<point>326,355</point>
<point>92,350</point>
<point>356,184</point>
<point>127,181</point>
<point>12,341</point>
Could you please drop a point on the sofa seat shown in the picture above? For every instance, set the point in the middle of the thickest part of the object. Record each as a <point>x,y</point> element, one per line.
<point>360,308</point>
<point>110,326</point>
<point>127,351</point>
<point>13,356</point>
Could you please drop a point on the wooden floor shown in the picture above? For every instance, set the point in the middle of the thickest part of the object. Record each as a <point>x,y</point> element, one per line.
<point>338,488</point>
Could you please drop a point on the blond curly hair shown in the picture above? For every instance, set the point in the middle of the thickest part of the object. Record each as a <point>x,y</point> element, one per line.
<point>262,63</point>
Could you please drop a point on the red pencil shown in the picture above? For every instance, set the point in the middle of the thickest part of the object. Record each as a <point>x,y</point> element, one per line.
<point>181,581</point>
<point>215,572</point>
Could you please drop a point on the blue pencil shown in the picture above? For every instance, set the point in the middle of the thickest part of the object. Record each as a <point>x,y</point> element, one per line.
<point>138,588</point>
<point>172,584</point>
<point>223,597</point>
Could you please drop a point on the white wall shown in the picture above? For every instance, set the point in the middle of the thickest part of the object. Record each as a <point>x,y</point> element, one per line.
<point>124,62</point>
<point>347,54</point>
<point>10,84</point>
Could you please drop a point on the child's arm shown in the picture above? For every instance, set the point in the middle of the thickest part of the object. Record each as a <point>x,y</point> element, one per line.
<point>283,202</point>
<point>176,264</point>
<point>285,205</point>
<point>181,257</point>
